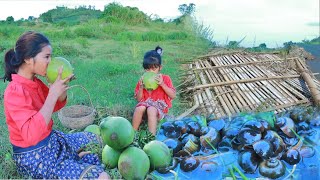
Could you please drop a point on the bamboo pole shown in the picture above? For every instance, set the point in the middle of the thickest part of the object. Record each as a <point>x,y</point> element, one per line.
<point>239,73</point>
<point>237,98</point>
<point>293,85</point>
<point>276,84</point>
<point>285,84</point>
<point>194,107</point>
<point>309,81</point>
<point>304,101</point>
<point>222,99</point>
<point>286,93</point>
<point>243,81</point>
<point>267,86</point>
<point>242,96</point>
<point>240,64</point>
<point>233,108</point>
<point>272,98</point>
<point>207,91</point>
<point>258,96</point>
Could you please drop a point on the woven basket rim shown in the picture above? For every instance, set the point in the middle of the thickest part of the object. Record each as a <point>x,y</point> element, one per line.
<point>76,122</point>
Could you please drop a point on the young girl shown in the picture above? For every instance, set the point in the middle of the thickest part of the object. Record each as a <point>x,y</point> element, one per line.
<point>155,103</point>
<point>38,151</point>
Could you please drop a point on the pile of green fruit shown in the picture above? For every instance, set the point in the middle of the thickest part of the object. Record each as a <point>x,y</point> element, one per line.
<point>132,162</point>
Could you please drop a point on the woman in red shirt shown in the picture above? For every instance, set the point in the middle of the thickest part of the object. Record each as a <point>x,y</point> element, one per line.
<point>155,103</point>
<point>39,151</point>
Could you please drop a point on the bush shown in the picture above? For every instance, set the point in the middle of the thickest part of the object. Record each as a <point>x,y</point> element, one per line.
<point>114,29</point>
<point>85,32</point>
<point>131,15</point>
<point>153,36</point>
<point>177,36</point>
<point>131,36</point>
<point>83,42</point>
<point>65,49</point>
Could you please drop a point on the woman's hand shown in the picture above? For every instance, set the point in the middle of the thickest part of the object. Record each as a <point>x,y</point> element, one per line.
<point>60,86</point>
<point>56,90</point>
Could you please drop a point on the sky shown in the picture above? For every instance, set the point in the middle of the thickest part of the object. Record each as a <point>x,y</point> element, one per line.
<point>256,21</point>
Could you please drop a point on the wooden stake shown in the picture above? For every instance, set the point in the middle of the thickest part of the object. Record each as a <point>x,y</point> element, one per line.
<point>309,81</point>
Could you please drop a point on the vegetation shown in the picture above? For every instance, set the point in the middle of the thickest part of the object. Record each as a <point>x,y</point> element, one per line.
<point>106,51</point>
<point>64,15</point>
<point>313,41</point>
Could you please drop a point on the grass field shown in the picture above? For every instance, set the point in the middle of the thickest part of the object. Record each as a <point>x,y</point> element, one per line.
<point>107,61</point>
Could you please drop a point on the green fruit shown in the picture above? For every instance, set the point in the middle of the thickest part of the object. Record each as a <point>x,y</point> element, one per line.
<point>93,128</point>
<point>159,154</point>
<point>110,157</point>
<point>133,163</point>
<point>117,132</point>
<point>54,66</point>
<point>149,81</point>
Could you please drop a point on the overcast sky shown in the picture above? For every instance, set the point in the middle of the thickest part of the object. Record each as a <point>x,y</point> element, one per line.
<point>271,21</point>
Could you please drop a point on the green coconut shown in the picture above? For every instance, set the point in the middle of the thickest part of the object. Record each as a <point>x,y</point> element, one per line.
<point>149,81</point>
<point>159,154</point>
<point>93,128</point>
<point>117,132</point>
<point>110,157</point>
<point>133,163</point>
<point>54,66</point>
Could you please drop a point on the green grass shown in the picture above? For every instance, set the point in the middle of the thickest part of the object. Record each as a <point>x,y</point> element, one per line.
<point>108,62</point>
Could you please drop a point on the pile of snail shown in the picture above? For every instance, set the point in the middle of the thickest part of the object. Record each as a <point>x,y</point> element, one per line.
<point>262,146</point>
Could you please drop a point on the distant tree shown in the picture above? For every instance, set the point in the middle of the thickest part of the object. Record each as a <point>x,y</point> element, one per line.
<point>263,46</point>
<point>287,45</point>
<point>156,18</point>
<point>306,41</point>
<point>233,44</point>
<point>316,40</point>
<point>187,9</point>
<point>61,7</point>
<point>31,18</point>
<point>47,17</point>
<point>10,19</point>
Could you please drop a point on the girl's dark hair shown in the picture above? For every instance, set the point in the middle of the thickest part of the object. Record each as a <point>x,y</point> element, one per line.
<point>159,50</point>
<point>151,59</point>
<point>27,46</point>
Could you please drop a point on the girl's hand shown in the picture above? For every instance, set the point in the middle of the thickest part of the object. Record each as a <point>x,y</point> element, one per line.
<point>141,82</point>
<point>60,85</point>
<point>159,79</point>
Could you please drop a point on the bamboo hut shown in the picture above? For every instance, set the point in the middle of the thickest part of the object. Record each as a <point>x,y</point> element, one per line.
<point>227,83</point>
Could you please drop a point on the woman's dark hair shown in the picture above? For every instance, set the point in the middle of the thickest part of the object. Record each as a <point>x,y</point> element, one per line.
<point>27,46</point>
<point>151,59</point>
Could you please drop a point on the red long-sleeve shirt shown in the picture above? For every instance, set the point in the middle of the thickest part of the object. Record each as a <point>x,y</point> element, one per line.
<point>23,99</point>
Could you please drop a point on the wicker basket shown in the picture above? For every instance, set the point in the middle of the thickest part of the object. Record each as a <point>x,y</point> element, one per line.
<point>77,116</point>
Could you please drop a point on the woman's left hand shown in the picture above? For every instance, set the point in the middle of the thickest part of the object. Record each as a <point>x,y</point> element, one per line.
<point>159,79</point>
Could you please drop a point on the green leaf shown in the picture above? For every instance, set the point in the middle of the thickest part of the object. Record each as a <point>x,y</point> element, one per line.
<point>267,116</point>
